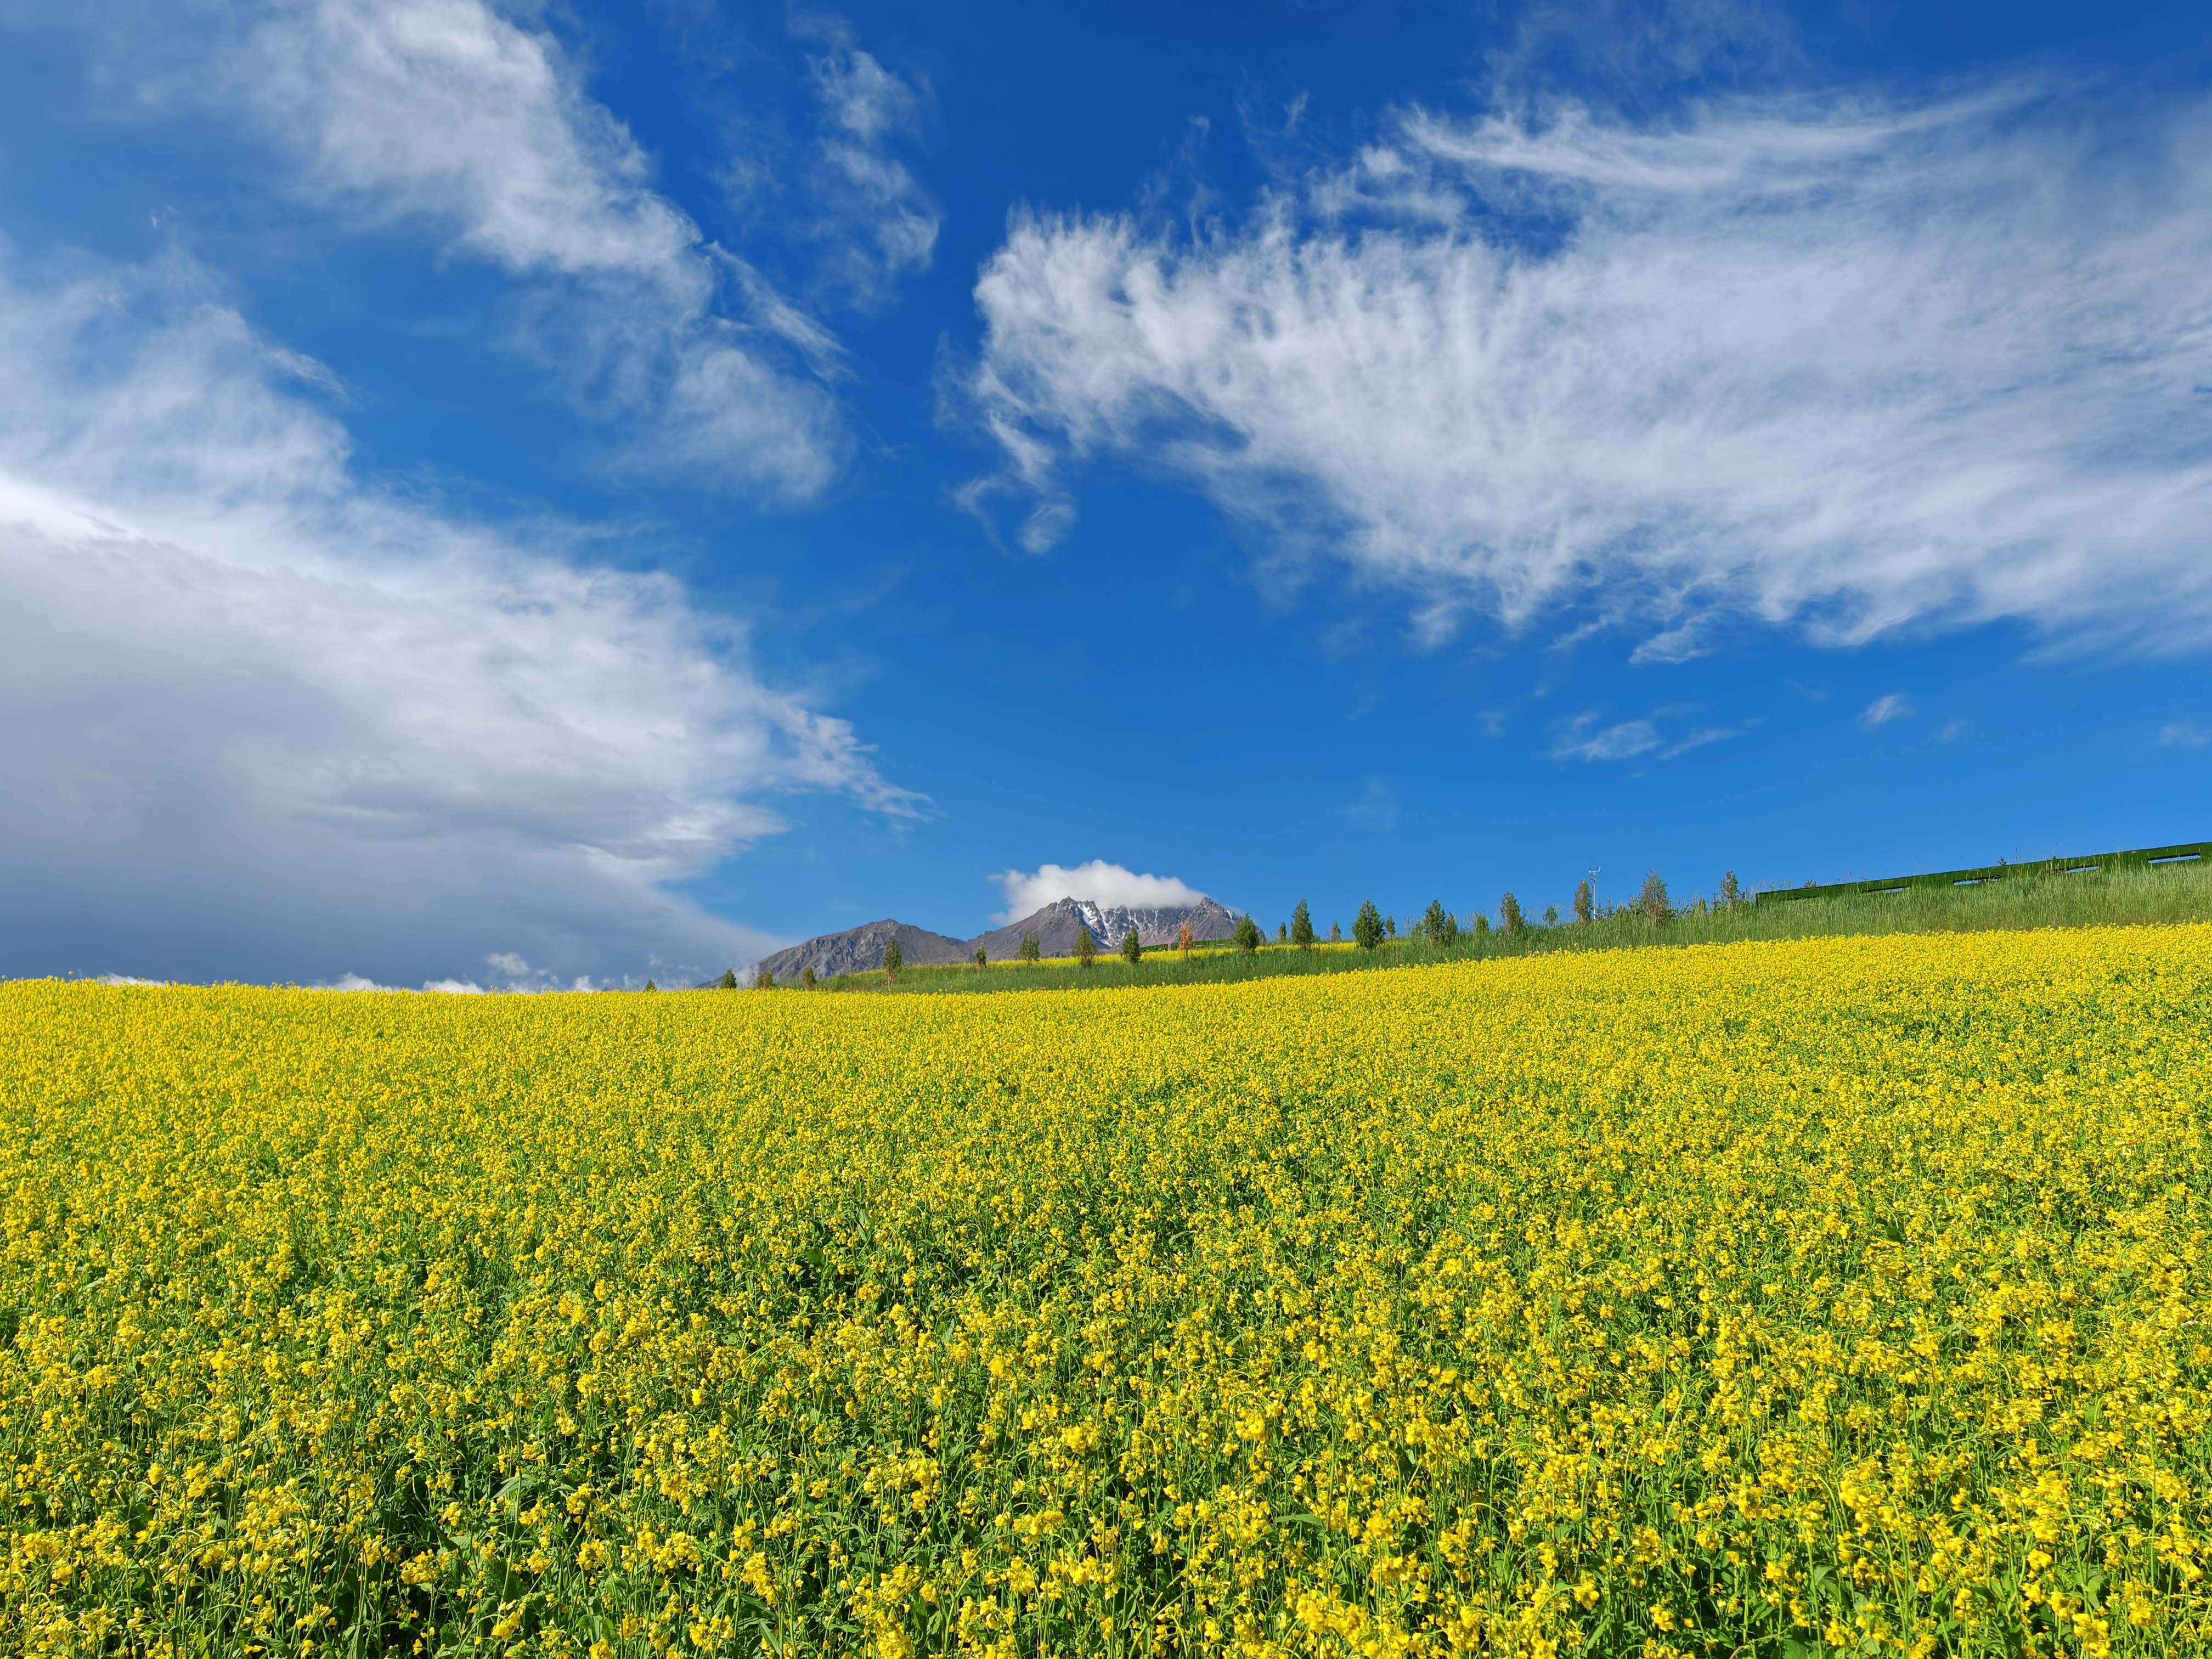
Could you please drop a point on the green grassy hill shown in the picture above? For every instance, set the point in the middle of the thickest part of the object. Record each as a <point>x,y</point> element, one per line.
<point>2121,897</point>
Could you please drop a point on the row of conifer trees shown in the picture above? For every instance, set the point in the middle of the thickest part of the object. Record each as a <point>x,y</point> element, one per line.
<point>1438,927</point>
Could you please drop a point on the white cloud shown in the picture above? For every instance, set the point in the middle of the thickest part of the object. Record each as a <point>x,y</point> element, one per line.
<point>1697,739</point>
<point>446,110</point>
<point>262,716</point>
<point>1617,742</point>
<point>446,114</point>
<point>1849,364</point>
<point>875,222</point>
<point>1892,706</point>
<point>1376,809</point>
<point>1027,892</point>
<point>2182,734</point>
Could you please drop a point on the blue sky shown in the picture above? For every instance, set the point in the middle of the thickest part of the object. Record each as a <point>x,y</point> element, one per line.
<point>521,494</point>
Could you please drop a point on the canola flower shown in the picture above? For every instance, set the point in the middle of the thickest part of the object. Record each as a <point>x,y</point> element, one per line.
<point>1780,1299</point>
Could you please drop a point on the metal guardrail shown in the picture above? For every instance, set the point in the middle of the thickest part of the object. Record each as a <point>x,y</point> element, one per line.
<point>2146,858</point>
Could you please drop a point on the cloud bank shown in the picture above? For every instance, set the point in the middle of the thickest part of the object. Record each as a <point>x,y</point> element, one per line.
<point>268,721</point>
<point>1848,365</point>
<point>1027,892</point>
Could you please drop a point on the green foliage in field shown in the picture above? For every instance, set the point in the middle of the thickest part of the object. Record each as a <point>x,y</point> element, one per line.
<point>2126,897</point>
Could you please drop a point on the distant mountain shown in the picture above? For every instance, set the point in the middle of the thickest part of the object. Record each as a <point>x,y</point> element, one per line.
<point>1055,927</point>
<point>860,950</point>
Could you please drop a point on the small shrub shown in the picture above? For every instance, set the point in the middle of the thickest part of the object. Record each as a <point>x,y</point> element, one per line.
<point>1247,935</point>
<point>1730,895</point>
<point>1335,933</point>
<point>1029,952</point>
<point>982,958</point>
<point>1367,927</point>
<point>1480,927</point>
<point>807,981</point>
<point>763,981</point>
<point>1182,940</point>
<point>1132,948</point>
<point>1551,916</point>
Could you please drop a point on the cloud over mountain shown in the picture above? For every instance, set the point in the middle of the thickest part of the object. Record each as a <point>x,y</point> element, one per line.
<point>1109,884</point>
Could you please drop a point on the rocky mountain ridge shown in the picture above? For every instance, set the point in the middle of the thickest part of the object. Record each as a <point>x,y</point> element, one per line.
<point>1056,926</point>
<point>860,950</point>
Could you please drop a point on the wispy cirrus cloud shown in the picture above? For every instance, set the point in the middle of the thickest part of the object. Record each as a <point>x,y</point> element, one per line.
<point>1849,364</point>
<point>1890,706</point>
<point>1588,738</point>
<point>1375,810</point>
<point>871,216</point>
<point>2182,734</point>
<point>452,114</point>
<point>1583,740</point>
<point>473,126</point>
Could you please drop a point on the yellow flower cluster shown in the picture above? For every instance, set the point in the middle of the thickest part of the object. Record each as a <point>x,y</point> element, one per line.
<point>1844,1295</point>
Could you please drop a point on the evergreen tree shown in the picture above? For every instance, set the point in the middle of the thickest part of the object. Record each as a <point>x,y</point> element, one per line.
<point>1282,932</point>
<point>1585,903</point>
<point>1439,926</point>
<point>650,986</point>
<point>894,959</point>
<point>763,981</point>
<point>1551,916</point>
<point>1302,932</point>
<point>1652,899</point>
<point>1029,952</point>
<point>1247,935</point>
<point>1086,948</point>
<point>729,979</point>
<point>1478,925</point>
<point>1730,895</point>
<point>982,958</point>
<point>806,979</point>
<point>1336,933</point>
<point>1508,913</point>
<point>1367,927</point>
<point>1132,947</point>
<point>1391,923</point>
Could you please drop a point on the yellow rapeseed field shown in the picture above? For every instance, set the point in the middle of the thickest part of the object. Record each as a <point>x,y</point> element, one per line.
<point>1765,1299</point>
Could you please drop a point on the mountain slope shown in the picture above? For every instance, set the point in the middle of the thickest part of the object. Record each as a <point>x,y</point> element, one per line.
<point>860,950</point>
<point>1055,927</point>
